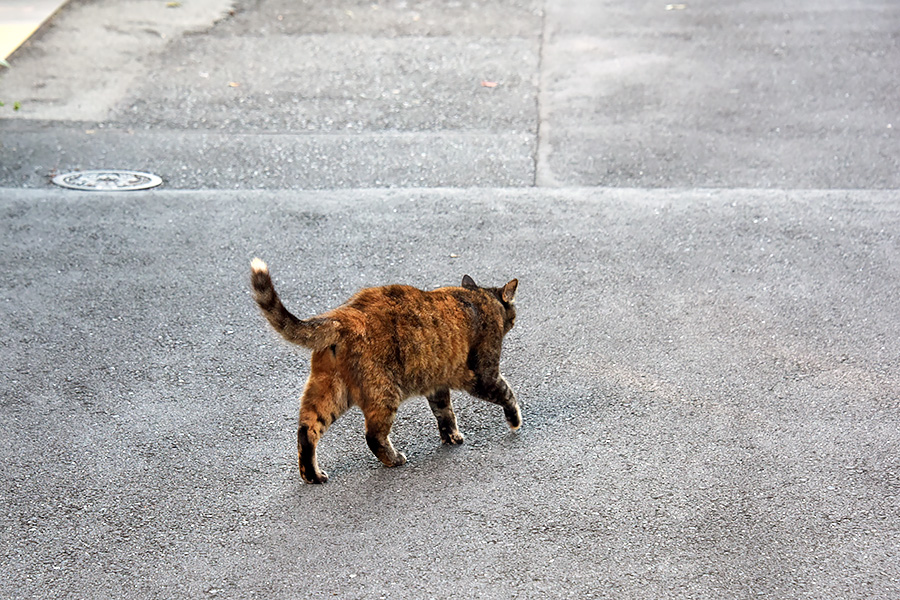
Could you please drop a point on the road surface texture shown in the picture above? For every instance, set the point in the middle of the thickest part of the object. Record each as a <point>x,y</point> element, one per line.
<point>700,203</point>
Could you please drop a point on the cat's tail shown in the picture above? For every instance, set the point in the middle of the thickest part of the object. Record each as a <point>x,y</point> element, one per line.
<point>316,333</point>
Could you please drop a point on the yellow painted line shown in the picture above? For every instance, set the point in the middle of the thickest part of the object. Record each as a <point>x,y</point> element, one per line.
<point>19,19</point>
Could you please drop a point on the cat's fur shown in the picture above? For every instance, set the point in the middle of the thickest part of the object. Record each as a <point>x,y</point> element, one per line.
<point>388,343</point>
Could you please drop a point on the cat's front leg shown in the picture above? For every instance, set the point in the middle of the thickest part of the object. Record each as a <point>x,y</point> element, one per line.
<point>497,391</point>
<point>379,419</point>
<point>442,408</point>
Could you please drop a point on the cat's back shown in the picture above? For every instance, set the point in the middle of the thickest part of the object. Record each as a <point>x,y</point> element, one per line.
<point>404,315</point>
<point>404,304</point>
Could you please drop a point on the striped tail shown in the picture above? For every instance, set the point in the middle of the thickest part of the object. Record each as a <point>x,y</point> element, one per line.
<point>316,333</point>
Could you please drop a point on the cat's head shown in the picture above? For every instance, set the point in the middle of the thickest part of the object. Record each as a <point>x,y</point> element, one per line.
<point>505,295</point>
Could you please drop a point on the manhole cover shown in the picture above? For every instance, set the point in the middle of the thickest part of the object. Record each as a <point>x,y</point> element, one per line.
<point>107,181</point>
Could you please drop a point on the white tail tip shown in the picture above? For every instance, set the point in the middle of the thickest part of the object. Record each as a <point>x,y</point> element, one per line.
<point>259,266</point>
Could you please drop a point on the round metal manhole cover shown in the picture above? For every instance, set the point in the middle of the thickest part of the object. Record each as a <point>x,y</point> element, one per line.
<point>107,181</point>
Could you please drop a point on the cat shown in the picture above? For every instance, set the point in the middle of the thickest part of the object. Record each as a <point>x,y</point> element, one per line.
<point>386,344</point>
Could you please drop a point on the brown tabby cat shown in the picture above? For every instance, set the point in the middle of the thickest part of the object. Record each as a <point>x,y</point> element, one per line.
<point>388,343</point>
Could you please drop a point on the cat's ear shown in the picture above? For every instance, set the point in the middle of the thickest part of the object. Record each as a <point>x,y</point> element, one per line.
<point>468,282</point>
<point>509,291</point>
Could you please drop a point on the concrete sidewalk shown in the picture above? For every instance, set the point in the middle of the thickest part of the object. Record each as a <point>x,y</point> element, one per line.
<point>706,354</point>
<point>282,94</point>
<point>19,19</point>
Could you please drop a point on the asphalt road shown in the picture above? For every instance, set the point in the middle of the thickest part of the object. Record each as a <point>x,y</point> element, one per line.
<point>708,340</point>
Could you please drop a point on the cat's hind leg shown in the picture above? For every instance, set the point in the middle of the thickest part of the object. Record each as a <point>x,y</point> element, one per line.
<point>497,391</point>
<point>307,438</point>
<point>323,401</point>
<point>442,408</point>
<point>379,420</point>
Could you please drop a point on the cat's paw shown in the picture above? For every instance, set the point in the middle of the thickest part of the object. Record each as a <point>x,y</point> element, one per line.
<point>452,438</point>
<point>319,477</point>
<point>513,417</point>
<point>314,476</point>
<point>398,461</point>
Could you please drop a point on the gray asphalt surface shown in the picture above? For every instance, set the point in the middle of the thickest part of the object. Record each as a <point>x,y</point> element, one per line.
<point>701,206</point>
